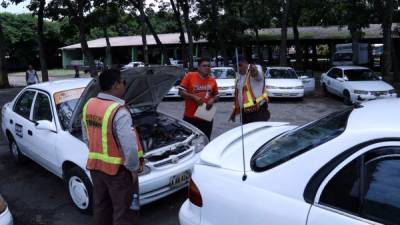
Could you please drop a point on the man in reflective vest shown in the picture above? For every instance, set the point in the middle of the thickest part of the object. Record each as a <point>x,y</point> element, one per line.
<point>115,155</point>
<point>250,94</point>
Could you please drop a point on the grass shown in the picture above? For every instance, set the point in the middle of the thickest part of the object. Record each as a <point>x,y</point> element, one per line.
<point>52,73</point>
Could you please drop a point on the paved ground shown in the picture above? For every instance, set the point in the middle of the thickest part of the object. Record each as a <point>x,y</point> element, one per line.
<point>37,197</point>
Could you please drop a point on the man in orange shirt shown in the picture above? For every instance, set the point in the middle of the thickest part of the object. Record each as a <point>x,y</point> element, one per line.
<point>198,88</point>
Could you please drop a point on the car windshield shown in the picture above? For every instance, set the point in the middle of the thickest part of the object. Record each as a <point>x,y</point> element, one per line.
<point>300,140</point>
<point>282,74</point>
<point>360,75</point>
<point>65,104</point>
<point>223,74</point>
<point>343,57</point>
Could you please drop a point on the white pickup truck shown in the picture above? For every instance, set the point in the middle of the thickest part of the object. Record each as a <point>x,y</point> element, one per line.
<point>43,123</point>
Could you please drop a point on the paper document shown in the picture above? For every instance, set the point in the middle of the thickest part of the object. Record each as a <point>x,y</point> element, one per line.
<point>203,113</point>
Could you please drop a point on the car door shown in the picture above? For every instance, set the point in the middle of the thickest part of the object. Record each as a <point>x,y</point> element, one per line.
<point>21,121</point>
<point>330,80</point>
<point>335,83</point>
<point>44,140</point>
<point>308,81</point>
<point>364,191</point>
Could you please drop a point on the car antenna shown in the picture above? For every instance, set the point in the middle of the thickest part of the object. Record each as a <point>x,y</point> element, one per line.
<point>244,177</point>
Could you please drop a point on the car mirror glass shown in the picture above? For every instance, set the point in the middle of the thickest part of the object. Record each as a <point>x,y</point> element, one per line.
<point>46,125</point>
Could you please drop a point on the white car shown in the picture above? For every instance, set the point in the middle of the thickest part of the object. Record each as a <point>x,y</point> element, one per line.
<point>133,65</point>
<point>43,123</point>
<point>284,82</point>
<point>5,214</point>
<point>356,84</point>
<point>341,169</point>
<point>225,77</point>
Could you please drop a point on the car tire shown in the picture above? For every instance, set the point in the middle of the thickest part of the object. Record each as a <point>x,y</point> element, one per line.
<point>16,154</point>
<point>347,98</point>
<point>80,190</point>
<point>325,90</point>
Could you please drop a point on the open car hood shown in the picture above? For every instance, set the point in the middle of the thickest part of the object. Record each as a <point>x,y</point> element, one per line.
<point>145,87</point>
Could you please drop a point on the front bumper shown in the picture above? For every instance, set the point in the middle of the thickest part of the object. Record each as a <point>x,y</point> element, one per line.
<point>189,216</point>
<point>362,98</point>
<point>227,93</point>
<point>157,184</point>
<point>6,218</point>
<point>285,93</point>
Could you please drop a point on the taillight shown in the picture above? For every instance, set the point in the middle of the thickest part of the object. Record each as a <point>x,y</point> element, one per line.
<point>194,194</point>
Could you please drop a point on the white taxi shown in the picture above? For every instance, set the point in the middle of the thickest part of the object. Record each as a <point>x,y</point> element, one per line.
<point>43,123</point>
<point>225,78</point>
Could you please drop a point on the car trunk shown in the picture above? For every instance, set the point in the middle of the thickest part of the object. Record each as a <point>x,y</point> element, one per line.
<point>161,135</point>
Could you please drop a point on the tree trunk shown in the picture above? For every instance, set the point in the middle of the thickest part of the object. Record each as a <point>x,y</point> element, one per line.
<point>284,20</point>
<point>217,34</point>
<point>42,52</point>
<point>387,36</point>
<point>152,31</point>
<point>82,37</point>
<point>185,7</point>
<point>144,34</point>
<point>3,71</point>
<point>295,14</point>
<point>355,40</point>
<point>395,62</point>
<point>182,38</point>
<point>108,59</point>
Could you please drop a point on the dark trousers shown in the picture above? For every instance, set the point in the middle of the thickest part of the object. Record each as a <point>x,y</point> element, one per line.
<point>203,125</point>
<point>112,196</point>
<point>262,114</point>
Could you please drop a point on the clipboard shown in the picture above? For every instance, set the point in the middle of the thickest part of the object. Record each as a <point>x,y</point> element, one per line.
<point>204,114</point>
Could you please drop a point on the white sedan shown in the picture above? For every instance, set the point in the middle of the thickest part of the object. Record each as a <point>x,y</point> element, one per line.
<point>284,82</point>
<point>336,170</point>
<point>43,123</point>
<point>5,214</point>
<point>356,84</point>
<point>133,65</point>
<point>225,77</point>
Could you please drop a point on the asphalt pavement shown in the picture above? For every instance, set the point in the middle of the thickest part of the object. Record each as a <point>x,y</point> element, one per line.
<point>36,197</point>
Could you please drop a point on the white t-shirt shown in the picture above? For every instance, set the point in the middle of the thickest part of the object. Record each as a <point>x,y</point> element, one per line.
<point>256,83</point>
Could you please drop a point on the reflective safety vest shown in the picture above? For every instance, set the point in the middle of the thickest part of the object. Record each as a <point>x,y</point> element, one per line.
<point>104,153</point>
<point>251,103</point>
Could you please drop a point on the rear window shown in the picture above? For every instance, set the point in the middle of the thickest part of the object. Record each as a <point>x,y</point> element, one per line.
<point>300,140</point>
<point>65,104</point>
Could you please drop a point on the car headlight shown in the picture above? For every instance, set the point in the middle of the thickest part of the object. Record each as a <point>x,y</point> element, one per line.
<point>3,205</point>
<point>271,87</point>
<point>393,91</point>
<point>199,143</point>
<point>360,92</point>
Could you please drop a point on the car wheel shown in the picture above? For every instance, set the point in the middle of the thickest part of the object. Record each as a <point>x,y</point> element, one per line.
<point>325,90</point>
<point>79,189</point>
<point>16,154</point>
<point>347,98</point>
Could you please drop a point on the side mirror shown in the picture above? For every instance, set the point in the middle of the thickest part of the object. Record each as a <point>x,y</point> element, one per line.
<point>304,77</point>
<point>380,77</point>
<point>46,125</point>
<point>340,79</point>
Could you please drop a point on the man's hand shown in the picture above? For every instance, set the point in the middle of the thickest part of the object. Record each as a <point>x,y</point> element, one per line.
<point>198,100</point>
<point>141,165</point>
<point>210,104</point>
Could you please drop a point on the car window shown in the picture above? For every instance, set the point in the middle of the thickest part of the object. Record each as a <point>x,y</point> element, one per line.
<point>332,73</point>
<point>24,104</point>
<point>360,75</point>
<point>298,141</point>
<point>42,108</point>
<point>218,73</point>
<point>382,190</point>
<point>282,74</point>
<point>342,191</point>
<point>65,102</point>
<point>368,186</point>
<point>231,74</point>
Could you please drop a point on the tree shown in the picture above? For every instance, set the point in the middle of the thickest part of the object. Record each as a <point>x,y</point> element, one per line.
<point>3,71</point>
<point>144,33</point>
<point>284,25</point>
<point>177,15</point>
<point>42,52</point>
<point>295,13</point>
<point>184,5</point>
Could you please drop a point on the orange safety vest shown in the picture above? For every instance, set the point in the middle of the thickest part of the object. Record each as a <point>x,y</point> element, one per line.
<point>251,103</point>
<point>104,153</point>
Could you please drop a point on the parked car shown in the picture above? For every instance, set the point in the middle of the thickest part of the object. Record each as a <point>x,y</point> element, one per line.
<point>43,123</point>
<point>174,91</point>
<point>225,77</point>
<point>284,82</point>
<point>341,169</point>
<point>344,55</point>
<point>356,84</point>
<point>5,214</point>
<point>133,65</point>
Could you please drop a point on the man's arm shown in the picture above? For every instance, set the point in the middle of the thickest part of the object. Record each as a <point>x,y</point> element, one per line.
<point>126,138</point>
<point>256,72</point>
<point>184,94</point>
<point>84,132</point>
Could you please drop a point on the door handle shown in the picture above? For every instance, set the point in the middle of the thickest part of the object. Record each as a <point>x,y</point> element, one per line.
<point>30,132</point>
<point>11,121</point>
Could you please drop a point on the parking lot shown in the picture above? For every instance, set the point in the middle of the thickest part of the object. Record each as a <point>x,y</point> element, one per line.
<point>35,196</point>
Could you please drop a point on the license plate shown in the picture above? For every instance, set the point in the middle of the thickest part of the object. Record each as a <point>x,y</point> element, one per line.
<point>179,180</point>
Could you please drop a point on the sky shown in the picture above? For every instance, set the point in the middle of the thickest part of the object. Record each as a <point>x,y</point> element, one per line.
<point>21,8</point>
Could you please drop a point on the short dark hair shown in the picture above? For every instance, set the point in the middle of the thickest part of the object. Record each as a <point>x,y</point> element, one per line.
<point>108,78</point>
<point>204,59</point>
<point>242,59</point>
